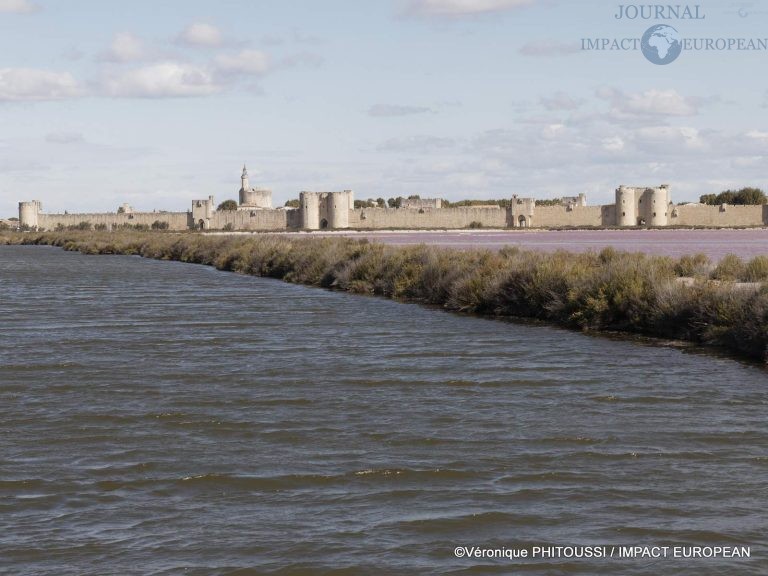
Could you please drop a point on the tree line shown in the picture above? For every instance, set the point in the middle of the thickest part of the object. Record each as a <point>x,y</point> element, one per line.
<point>745,196</point>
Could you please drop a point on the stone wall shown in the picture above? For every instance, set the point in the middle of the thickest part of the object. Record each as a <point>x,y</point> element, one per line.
<point>462,217</point>
<point>706,215</point>
<point>561,216</point>
<point>175,220</point>
<point>250,219</point>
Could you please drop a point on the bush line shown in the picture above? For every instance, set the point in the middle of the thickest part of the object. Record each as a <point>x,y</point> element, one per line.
<point>605,291</point>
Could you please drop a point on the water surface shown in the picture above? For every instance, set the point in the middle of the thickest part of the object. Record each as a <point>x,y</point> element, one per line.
<point>166,418</point>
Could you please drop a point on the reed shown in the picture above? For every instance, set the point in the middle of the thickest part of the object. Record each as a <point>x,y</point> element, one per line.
<point>605,291</point>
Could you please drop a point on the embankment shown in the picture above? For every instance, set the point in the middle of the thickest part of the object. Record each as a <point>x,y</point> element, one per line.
<point>606,291</point>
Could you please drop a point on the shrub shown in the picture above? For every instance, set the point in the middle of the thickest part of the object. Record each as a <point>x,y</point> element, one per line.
<point>693,265</point>
<point>475,224</point>
<point>159,225</point>
<point>756,269</point>
<point>730,267</point>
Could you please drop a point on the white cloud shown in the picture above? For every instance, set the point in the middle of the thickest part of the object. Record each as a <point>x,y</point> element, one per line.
<point>560,101</point>
<point>244,62</point>
<point>164,80</point>
<point>20,84</point>
<point>201,34</point>
<point>757,135</point>
<point>390,110</point>
<point>548,48</point>
<point>125,48</point>
<point>613,144</point>
<point>453,8</point>
<point>16,6</point>
<point>649,103</point>
<point>656,136</point>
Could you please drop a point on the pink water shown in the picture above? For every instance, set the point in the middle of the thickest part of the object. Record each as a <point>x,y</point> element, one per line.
<point>714,243</point>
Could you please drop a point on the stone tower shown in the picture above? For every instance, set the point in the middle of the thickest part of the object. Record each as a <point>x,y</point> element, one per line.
<point>244,184</point>
<point>253,197</point>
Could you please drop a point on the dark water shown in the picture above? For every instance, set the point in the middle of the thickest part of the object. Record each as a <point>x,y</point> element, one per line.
<point>163,418</point>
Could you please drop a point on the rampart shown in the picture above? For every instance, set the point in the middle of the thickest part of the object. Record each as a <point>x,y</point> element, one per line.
<point>175,220</point>
<point>718,216</point>
<point>461,217</point>
<point>564,216</point>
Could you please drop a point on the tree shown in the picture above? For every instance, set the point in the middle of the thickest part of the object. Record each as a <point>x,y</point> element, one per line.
<point>381,202</point>
<point>227,205</point>
<point>414,197</point>
<point>750,196</point>
<point>745,197</point>
<point>291,203</point>
<point>395,202</point>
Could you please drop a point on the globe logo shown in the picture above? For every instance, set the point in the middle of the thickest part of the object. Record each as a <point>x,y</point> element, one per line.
<point>661,44</point>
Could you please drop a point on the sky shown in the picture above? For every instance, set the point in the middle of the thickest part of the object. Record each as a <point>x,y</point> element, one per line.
<point>158,103</point>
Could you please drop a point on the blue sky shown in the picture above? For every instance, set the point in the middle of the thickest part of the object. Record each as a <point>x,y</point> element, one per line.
<point>157,103</point>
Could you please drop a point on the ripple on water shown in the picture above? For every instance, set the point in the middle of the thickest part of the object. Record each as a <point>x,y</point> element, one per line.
<point>163,418</point>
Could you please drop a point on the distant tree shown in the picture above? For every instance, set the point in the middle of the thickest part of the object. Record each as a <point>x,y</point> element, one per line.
<point>395,202</point>
<point>750,196</point>
<point>381,202</point>
<point>745,197</point>
<point>292,204</point>
<point>414,197</point>
<point>549,202</point>
<point>159,225</point>
<point>228,205</point>
<point>365,204</point>
<point>121,210</point>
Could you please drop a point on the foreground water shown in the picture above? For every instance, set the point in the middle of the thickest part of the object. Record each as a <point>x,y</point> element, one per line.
<point>165,418</point>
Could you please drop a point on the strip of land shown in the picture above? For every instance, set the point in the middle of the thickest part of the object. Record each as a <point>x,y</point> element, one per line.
<point>592,291</point>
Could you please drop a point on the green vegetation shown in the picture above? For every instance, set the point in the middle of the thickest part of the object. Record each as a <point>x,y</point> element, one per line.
<point>292,203</point>
<point>159,225</point>
<point>602,291</point>
<point>228,205</point>
<point>745,196</point>
<point>552,202</point>
<point>475,224</point>
<point>366,203</point>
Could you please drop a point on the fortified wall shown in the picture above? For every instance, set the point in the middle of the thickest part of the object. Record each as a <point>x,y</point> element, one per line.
<point>634,206</point>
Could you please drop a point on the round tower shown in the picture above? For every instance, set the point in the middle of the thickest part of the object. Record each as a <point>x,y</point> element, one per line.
<point>626,214</point>
<point>309,206</point>
<point>28,214</point>
<point>658,207</point>
<point>338,209</point>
